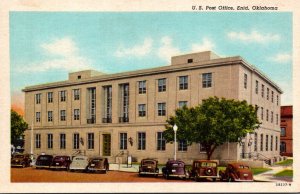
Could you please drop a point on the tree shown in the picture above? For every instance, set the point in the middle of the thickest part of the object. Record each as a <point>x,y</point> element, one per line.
<point>213,123</point>
<point>18,126</point>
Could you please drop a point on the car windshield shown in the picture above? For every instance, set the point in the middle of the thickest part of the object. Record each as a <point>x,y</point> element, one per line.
<point>59,158</point>
<point>19,156</point>
<point>178,164</point>
<point>208,164</point>
<point>148,162</point>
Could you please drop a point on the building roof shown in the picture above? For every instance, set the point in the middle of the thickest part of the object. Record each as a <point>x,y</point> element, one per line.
<point>212,60</point>
<point>286,111</point>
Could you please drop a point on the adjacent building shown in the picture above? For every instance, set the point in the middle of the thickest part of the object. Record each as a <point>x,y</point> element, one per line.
<point>286,134</point>
<point>116,115</point>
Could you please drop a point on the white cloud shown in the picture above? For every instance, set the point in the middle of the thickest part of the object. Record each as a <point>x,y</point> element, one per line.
<point>253,36</point>
<point>281,58</point>
<point>137,50</point>
<point>206,45</point>
<point>63,54</point>
<point>287,96</point>
<point>167,50</point>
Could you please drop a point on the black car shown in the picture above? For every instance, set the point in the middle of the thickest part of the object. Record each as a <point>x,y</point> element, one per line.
<point>61,162</point>
<point>148,167</point>
<point>43,161</point>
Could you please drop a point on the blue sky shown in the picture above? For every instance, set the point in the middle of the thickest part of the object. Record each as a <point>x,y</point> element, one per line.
<point>45,46</point>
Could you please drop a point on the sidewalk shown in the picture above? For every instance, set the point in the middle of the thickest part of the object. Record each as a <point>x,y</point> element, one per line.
<point>124,168</point>
<point>268,176</point>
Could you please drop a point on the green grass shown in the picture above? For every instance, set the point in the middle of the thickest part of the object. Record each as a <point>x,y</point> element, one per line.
<point>284,173</point>
<point>286,162</point>
<point>256,171</point>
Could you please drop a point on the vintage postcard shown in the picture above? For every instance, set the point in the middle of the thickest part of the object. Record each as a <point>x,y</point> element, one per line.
<point>149,96</point>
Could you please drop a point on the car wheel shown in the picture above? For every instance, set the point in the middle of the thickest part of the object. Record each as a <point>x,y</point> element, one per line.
<point>168,176</point>
<point>230,179</point>
<point>23,165</point>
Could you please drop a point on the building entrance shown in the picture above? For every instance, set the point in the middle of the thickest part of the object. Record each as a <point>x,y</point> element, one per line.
<point>106,145</point>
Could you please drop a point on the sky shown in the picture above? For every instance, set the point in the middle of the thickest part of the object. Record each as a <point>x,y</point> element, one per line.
<point>46,46</point>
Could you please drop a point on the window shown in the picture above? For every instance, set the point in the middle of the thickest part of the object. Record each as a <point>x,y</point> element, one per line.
<point>261,142</point>
<point>161,142</point>
<point>63,95</point>
<point>90,140</point>
<point>37,141</point>
<point>50,97</point>
<point>142,87</point>
<point>79,77</point>
<point>267,115</point>
<point>272,96</point>
<point>276,143</point>
<point>123,141</point>
<point>141,141</point>
<point>245,80</point>
<point>182,145</point>
<point>267,142</point>
<point>282,131</point>
<point>76,114</point>
<point>261,113</point>
<point>50,116</point>
<point>161,109</point>
<point>38,98</point>
<point>50,141</point>
<point>76,141</point>
<point>277,99</point>
<point>107,104</point>
<point>38,117</point>
<point>62,141</point>
<point>268,91</point>
<point>190,60</point>
<point>282,147</point>
<point>142,110</point>
<point>206,80</point>
<point>276,119</point>
<point>63,115</point>
<point>124,116</point>
<point>162,85</point>
<point>91,105</point>
<point>202,148</point>
<point>76,94</point>
<point>272,116</point>
<point>255,142</point>
<point>182,104</point>
<point>271,145</point>
<point>256,87</point>
<point>183,82</point>
<point>262,90</point>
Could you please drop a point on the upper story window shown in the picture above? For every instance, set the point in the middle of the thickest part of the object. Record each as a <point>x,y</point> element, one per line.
<point>76,114</point>
<point>272,96</point>
<point>161,109</point>
<point>272,116</point>
<point>262,90</point>
<point>183,83</point>
<point>256,87</point>
<point>245,80</point>
<point>142,87</point>
<point>50,97</point>
<point>63,95</point>
<point>276,119</point>
<point>63,115</point>
<point>268,91</point>
<point>50,116</point>
<point>267,115</point>
<point>277,100</point>
<point>261,113</point>
<point>283,131</point>
<point>142,110</point>
<point>38,117</point>
<point>190,60</point>
<point>206,80</point>
<point>162,85</point>
<point>38,98</point>
<point>76,94</point>
<point>182,104</point>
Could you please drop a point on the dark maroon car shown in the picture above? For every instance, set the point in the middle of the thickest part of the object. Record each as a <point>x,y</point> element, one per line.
<point>236,172</point>
<point>43,161</point>
<point>175,168</point>
<point>61,162</point>
<point>204,169</point>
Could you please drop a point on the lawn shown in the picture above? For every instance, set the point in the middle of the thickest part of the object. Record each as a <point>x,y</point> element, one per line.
<point>284,173</point>
<point>259,170</point>
<point>286,162</point>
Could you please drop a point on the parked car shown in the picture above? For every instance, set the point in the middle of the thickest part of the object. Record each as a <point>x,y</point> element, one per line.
<point>175,168</point>
<point>203,169</point>
<point>21,160</point>
<point>79,163</point>
<point>98,164</point>
<point>61,162</point>
<point>43,161</point>
<point>236,172</point>
<point>148,166</point>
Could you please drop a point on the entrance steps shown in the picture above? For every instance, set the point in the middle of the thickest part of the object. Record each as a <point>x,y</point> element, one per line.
<point>123,167</point>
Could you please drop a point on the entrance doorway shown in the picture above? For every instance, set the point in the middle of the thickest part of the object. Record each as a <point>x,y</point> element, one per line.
<point>106,145</point>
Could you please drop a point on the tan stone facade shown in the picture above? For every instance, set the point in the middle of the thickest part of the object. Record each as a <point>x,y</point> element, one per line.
<point>122,114</point>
